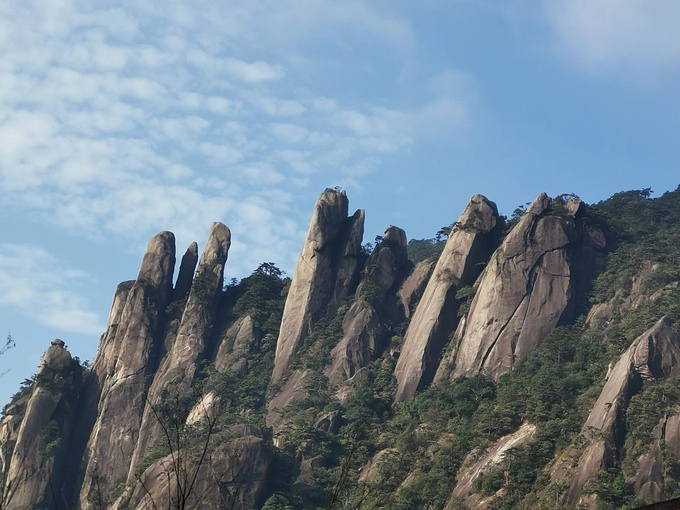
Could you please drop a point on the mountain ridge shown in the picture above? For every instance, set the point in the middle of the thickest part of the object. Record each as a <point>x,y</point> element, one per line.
<point>277,392</point>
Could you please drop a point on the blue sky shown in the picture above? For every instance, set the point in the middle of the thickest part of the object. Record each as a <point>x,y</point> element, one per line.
<point>119,119</point>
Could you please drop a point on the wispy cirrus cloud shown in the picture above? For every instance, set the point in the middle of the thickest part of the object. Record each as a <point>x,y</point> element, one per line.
<point>126,120</point>
<point>42,288</point>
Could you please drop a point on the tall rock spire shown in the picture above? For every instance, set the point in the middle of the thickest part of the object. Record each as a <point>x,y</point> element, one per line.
<point>362,325</point>
<point>436,317</point>
<point>36,476</point>
<point>123,363</point>
<point>177,369</point>
<point>326,268</point>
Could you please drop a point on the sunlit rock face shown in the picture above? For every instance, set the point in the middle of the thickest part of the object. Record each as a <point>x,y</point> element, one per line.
<point>435,318</point>
<point>326,271</point>
<point>525,291</point>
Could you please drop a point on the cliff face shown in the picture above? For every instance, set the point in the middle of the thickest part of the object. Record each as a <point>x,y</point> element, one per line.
<point>525,291</point>
<point>653,356</point>
<point>459,381</point>
<point>324,274</point>
<point>36,477</point>
<point>436,317</point>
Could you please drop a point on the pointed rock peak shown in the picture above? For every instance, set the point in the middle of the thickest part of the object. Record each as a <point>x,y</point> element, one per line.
<point>355,233</point>
<point>330,211</point>
<point>327,269</point>
<point>56,358</point>
<point>395,240</point>
<point>192,251</point>
<point>436,317</point>
<point>395,236</point>
<point>542,204</point>
<point>480,214</point>
<point>217,246</point>
<point>159,260</point>
<point>574,207</point>
<point>186,270</point>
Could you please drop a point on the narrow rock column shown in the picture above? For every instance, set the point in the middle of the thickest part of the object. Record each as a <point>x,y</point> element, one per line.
<point>362,326</point>
<point>327,256</point>
<point>436,317</point>
<point>177,369</point>
<point>36,475</point>
<point>121,368</point>
<point>186,271</point>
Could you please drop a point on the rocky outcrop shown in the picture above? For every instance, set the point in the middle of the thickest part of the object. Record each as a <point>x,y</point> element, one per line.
<point>475,465</point>
<point>362,325</point>
<point>648,480</point>
<point>123,365</point>
<point>653,355</point>
<point>186,271</point>
<point>436,318</point>
<point>239,339</point>
<point>36,477</point>
<point>414,285</point>
<point>233,475</point>
<point>177,369</point>
<point>524,292</point>
<point>326,269</point>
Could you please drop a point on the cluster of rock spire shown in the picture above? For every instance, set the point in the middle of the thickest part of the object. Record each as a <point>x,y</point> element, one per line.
<point>158,334</point>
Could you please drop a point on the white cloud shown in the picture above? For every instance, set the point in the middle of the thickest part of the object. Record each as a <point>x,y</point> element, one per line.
<point>634,36</point>
<point>139,117</point>
<point>288,133</point>
<point>254,72</point>
<point>40,287</point>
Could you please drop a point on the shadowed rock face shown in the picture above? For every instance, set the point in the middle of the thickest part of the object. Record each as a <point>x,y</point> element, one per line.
<point>178,367</point>
<point>39,457</point>
<point>186,271</point>
<point>233,476</point>
<point>127,354</point>
<point>326,269</point>
<point>524,292</point>
<point>435,318</point>
<point>414,285</point>
<point>362,325</point>
<point>654,355</point>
